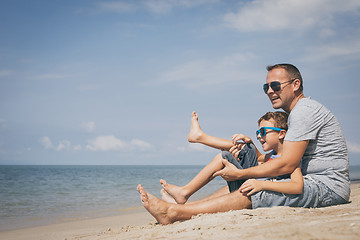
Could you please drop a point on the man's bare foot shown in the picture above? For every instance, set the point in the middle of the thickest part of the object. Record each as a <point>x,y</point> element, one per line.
<point>156,207</point>
<point>179,195</point>
<point>166,197</point>
<point>195,130</point>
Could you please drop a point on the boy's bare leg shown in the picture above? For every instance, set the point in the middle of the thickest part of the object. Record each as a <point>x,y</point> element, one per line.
<point>182,194</point>
<point>166,197</point>
<point>222,191</point>
<point>166,213</point>
<point>196,135</point>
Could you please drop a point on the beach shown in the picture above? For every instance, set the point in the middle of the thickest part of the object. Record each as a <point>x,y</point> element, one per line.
<point>335,222</point>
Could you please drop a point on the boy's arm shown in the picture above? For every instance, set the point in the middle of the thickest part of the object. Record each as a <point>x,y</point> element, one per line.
<point>263,158</point>
<point>289,160</point>
<point>295,186</point>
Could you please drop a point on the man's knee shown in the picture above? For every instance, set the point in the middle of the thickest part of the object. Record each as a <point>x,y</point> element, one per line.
<point>241,200</point>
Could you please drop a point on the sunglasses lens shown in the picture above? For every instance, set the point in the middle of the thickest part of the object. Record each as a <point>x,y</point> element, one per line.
<point>266,88</point>
<point>262,132</point>
<point>276,86</point>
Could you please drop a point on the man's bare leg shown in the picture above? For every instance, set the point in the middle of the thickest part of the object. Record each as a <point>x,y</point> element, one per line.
<point>182,194</point>
<point>166,213</point>
<point>196,135</point>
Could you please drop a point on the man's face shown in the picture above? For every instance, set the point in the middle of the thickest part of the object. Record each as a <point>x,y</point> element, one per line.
<point>284,97</point>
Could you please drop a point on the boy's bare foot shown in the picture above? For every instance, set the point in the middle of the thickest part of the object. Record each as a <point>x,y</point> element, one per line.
<point>176,192</point>
<point>166,197</point>
<point>195,130</point>
<point>156,207</point>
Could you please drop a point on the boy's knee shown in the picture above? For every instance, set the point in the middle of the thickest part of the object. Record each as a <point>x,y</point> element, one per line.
<point>248,156</point>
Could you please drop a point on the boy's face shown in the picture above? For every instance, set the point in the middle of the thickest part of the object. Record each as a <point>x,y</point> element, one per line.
<point>272,138</point>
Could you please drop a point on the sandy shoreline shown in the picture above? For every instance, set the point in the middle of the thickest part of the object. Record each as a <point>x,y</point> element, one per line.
<point>336,222</point>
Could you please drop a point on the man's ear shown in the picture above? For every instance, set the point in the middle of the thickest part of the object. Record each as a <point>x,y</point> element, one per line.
<point>297,84</point>
<point>282,134</point>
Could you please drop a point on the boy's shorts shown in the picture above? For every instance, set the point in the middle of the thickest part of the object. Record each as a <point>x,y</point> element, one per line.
<point>247,158</point>
<point>315,193</point>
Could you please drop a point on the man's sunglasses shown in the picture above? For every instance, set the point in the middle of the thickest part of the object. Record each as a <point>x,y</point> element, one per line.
<point>275,86</point>
<point>262,131</point>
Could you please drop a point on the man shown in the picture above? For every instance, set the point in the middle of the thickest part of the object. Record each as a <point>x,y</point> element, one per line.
<point>314,138</point>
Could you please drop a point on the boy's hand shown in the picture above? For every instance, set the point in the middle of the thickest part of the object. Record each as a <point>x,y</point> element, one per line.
<point>240,137</point>
<point>235,150</point>
<point>251,186</point>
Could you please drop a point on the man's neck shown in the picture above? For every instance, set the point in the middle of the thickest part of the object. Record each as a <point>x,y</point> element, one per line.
<point>295,101</point>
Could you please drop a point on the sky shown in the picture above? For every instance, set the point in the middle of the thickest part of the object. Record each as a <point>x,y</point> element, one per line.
<point>92,82</point>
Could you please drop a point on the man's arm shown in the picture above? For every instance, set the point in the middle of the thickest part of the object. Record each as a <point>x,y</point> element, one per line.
<point>289,160</point>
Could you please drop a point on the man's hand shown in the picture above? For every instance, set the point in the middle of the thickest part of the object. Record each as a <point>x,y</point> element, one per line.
<point>229,172</point>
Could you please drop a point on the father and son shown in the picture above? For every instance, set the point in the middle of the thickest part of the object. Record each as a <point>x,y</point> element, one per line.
<point>307,166</point>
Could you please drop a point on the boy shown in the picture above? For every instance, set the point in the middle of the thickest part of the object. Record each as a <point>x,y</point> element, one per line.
<point>271,134</point>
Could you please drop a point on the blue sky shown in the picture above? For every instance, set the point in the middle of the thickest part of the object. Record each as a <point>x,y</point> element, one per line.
<point>115,82</point>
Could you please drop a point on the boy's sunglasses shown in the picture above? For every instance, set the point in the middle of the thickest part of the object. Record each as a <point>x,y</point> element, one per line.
<point>275,86</point>
<point>262,131</point>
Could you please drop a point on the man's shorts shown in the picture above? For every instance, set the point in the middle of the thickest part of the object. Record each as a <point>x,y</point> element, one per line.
<point>315,194</point>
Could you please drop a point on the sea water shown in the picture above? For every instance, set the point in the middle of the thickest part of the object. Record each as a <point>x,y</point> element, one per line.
<point>39,195</point>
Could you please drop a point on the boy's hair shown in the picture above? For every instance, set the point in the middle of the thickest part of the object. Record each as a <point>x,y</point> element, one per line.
<point>280,119</point>
<point>291,70</point>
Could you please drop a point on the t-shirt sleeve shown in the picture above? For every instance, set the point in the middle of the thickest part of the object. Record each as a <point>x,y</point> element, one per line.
<point>304,123</point>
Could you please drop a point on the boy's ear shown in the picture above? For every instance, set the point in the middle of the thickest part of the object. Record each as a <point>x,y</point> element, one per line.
<point>282,134</point>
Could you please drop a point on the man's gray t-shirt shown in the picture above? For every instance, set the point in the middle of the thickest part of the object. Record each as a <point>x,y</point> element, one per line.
<point>326,157</point>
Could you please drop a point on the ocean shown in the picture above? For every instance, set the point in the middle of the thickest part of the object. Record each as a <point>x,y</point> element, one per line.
<point>39,195</point>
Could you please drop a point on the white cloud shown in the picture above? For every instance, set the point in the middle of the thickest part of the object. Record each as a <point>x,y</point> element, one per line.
<point>2,120</point>
<point>154,6</point>
<point>111,143</point>
<point>346,48</point>
<point>140,144</point>
<point>202,72</point>
<point>62,145</point>
<point>353,147</point>
<point>166,6</point>
<point>77,148</point>
<point>101,143</point>
<point>195,147</point>
<point>292,15</point>
<point>46,142</point>
<point>106,143</point>
<point>49,76</point>
<point>88,126</point>
<point>88,87</point>
<point>117,6</point>
<point>5,73</point>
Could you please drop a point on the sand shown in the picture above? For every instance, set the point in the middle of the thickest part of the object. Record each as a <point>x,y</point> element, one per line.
<point>336,222</point>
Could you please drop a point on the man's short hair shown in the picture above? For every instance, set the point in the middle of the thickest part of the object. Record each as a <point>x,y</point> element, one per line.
<point>280,119</point>
<point>291,70</point>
